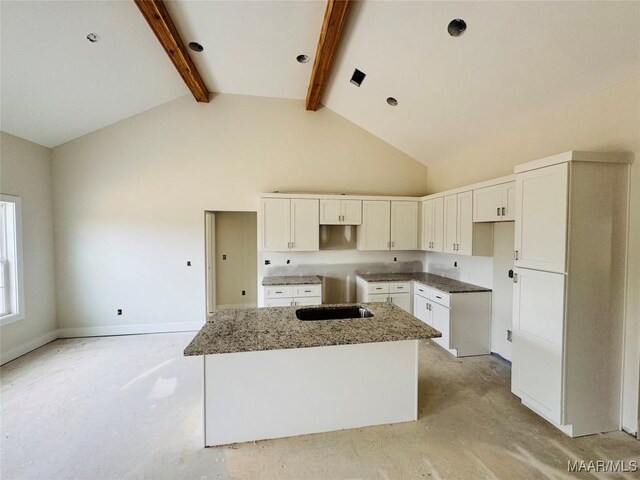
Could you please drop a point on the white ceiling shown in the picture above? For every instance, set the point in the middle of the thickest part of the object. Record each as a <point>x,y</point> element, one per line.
<point>56,85</point>
<point>516,60</point>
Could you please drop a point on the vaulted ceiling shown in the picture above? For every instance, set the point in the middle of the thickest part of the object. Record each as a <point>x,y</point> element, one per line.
<point>516,60</point>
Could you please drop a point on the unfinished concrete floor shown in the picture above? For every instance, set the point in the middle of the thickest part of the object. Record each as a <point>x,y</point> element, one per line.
<point>131,407</point>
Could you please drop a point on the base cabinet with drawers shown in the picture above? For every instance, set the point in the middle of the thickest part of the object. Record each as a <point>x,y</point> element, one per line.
<point>398,293</point>
<point>292,295</point>
<point>464,319</point>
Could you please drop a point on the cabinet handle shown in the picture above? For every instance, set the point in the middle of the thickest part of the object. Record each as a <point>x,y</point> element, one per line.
<point>504,211</point>
<point>516,255</point>
<point>498,211</point>
<point>438,296</point>
<point>515,278</point>
<point>392,243</point>
<point>307,291</point>
<point>278,292</point>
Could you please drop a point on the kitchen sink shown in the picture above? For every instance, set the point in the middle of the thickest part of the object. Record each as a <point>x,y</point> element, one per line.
<point>333,313</point>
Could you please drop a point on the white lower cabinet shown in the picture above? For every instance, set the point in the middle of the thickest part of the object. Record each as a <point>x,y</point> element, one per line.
<point>464,319</point>
<point>292,295</point>
<point>398,293</point>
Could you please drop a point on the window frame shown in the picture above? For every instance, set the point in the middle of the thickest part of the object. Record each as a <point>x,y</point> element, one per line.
<point>17,281</point>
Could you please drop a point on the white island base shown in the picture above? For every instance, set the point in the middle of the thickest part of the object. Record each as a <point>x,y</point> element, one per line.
<point>280,393</point>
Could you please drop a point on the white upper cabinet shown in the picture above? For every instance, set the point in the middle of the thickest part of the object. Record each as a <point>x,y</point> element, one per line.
<point>404,225</point>
<point>305,226</point>
<point>340,212</point>
<point>461,235</point>
<point>276,224</point>
<point>541,218</point>
<point>375,231</point>
<point>433,225</point>
<point>495,203</point>
<point>290,224</point>
<point>388,225</point>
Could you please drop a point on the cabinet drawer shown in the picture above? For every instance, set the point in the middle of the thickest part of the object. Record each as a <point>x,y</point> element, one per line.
<point>307,301</point>
<point>307,291</point>
<point>420,289</point>
<point>279,302</point>
<point>377,288</point>
<point>400,287</point>
<point>440,297</point>
<point>279,292</point>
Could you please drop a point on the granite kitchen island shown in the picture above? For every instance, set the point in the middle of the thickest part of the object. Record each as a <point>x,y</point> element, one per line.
<point>268,374</point>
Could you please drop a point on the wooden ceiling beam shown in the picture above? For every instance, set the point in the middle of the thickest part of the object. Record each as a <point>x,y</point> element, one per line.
<point>332,24</point>
<point>157,16</point>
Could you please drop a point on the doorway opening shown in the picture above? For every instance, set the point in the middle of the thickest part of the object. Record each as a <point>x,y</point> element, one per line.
<point>231,260</point>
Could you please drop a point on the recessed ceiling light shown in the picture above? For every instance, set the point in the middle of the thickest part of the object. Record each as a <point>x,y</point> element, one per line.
<point>457,27</point>
<point>196,47</point>
<point>302,58</point>
<point>357,77</point>
<point>93,38</point>
<point>392,101</point>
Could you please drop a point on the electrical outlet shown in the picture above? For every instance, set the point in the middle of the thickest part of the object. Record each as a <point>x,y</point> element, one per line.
<point>288,261</point>
<point>267,262</point>
<point>455,264</point>
<point>244,292</point>
<point>395,259</point>
<point>119,311</point>
<point>224,257</point>
<point>188,263</point>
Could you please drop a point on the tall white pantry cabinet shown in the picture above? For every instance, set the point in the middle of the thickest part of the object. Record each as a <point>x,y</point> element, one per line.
<point>569,256</point>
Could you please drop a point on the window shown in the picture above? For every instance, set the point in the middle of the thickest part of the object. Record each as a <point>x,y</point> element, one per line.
<point>11,291</point>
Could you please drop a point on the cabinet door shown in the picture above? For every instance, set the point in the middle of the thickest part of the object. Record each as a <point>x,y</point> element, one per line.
<point>438,225</point>
<point>307,301</point>
<point>440,321</point>
<point>305,225</point>
<point>378,297</point>
<point>375,233</point>
<point>488,203</point>
<point>450,223</point>
<point>276,224</point>
<point>402,300</point>
<point>404,225</point>
<point>541,218</point>
<point>279,302</point>
<point>465,223</point>
<point>538,337</point>
<point>427,225</point>
<point>509,201</point>
<point>330,212</point>
<point>351,212</point>
<point>421,310</point>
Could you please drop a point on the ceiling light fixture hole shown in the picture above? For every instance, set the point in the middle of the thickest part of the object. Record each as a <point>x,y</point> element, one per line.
<point>392,101</point>
<point>457,27</point>
<point>302,58</point>
<point>196,47</point>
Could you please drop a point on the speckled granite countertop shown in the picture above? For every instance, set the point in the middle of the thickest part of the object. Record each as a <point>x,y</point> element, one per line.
<point>277,328</point>
<point>291,280</point>
<point>444,284</point>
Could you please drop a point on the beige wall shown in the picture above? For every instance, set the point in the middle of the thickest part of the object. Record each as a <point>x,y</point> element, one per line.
<point>237,239</point>
<point>130,198</point>
<point>25,171</point>
<point>608,121</point>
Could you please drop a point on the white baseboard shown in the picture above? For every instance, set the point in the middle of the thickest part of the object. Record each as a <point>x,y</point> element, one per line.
<point>129,329</point>
<point>26,347</point>
<point>98,332</point>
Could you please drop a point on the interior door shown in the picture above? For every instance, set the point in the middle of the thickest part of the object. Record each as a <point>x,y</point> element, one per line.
<point>375,233</point>
<point>330,212</point>
<point>276,224</point>
<point>404,225</point>
<point>450,223</point>
<point>487,204</point>
<point>541,218</point>
<point>351,212</point>
<point>465,223</point>
<point>538,335</point>
<point>305,225</point>
<point>438,224</point>
<point>427,225</point>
